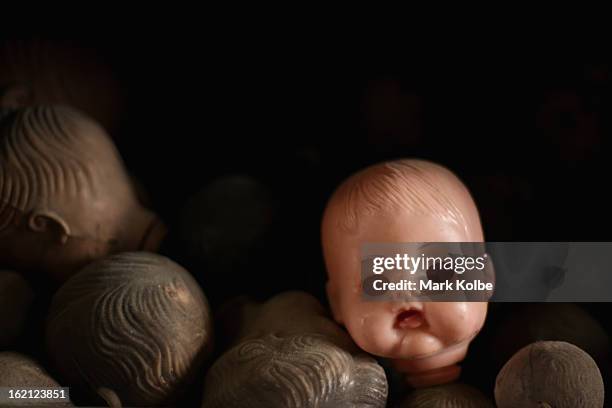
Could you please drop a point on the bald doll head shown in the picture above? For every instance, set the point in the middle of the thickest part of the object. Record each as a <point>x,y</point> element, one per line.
<point>400,202</point>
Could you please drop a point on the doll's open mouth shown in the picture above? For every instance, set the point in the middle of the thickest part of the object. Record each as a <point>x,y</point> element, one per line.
<point>409,319</point>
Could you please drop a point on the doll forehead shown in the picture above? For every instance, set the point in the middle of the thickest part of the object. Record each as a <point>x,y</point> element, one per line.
<point>403,188</point>
<point>397,226</point>
<point>405,201</point>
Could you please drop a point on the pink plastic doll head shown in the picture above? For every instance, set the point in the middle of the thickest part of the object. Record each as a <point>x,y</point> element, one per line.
<point>398,202</point>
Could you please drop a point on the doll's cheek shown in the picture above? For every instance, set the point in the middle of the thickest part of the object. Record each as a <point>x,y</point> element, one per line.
<point>455,320</point>
<point>372,331</point>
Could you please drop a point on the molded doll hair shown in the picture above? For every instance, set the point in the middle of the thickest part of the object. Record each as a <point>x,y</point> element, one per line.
<point>303,370</point>
<point>133,326</point>
<point>453,395</point>
<point>45,152</point>
<point>416,186</point>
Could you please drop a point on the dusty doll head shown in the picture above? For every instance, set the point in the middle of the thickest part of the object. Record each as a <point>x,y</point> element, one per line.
<point>550,374</point>
<point>276,346</point>
<point>279,371</point>
<point>288,313</point>
<point>65,197</point>
<point>133,328</point>
<point>454,395</point>
<point>398,202</point>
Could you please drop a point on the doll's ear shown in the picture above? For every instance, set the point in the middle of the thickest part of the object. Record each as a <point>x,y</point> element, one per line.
<point>333,298</point>
<point>46,221</point>
<point>15,96</point>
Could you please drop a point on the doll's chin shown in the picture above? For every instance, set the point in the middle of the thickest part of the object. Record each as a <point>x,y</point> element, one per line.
<point>443,358</point>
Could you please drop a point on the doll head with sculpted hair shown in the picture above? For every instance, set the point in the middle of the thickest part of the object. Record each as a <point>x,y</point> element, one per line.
<point>401,201</point>
<point>286,352</point>
<point>65,197</point>
<point>298,370</point>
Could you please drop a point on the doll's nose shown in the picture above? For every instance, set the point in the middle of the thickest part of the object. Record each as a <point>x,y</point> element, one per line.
<point>399,306</point>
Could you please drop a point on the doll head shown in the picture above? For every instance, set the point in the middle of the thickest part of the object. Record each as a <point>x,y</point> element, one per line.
<point>399,202</point>
<point>550,374</point>
<point>288,313</point>
<point>300,370</point>
<point>133,328</point>
<point>276,345</point>
<point>65,197</point>
<point>454,395</point>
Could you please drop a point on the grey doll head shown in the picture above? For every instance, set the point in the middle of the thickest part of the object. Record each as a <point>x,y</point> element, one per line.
<point>454,395</point>
<point>300,370</point>
<point>133,328</point>
<point>65,197</point>
<point>288,313</point>
<point>287,352</point>
<point>550,374</point>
